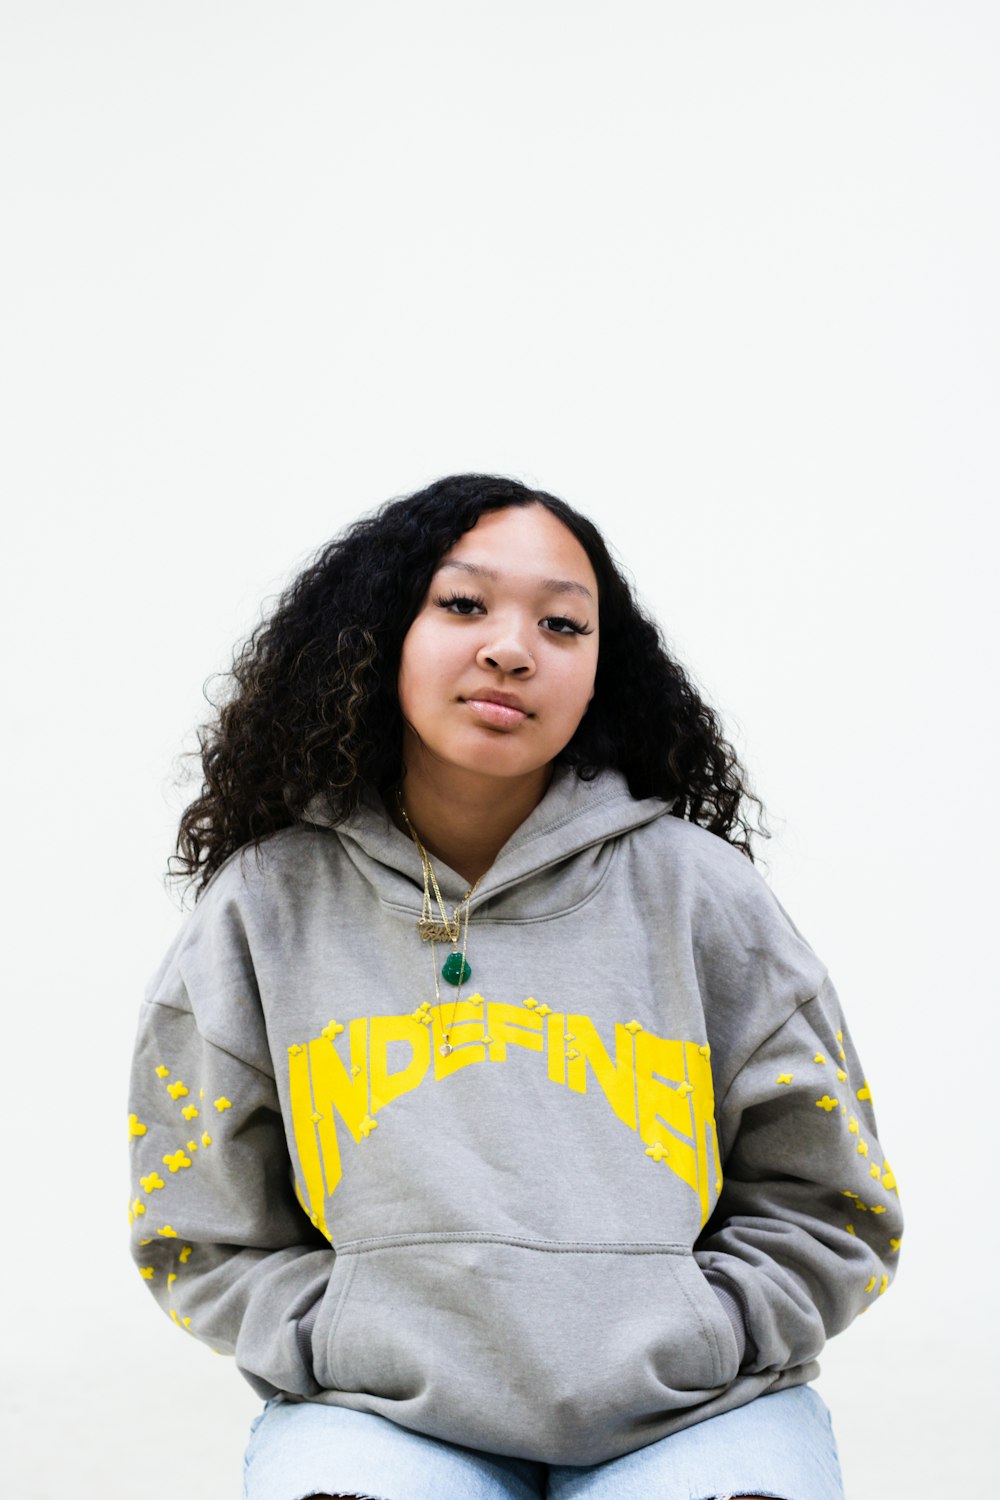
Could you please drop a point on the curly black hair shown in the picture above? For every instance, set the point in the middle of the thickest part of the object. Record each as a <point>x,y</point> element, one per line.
<point>313,707</point>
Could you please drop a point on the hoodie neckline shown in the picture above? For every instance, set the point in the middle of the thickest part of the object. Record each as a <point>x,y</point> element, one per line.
<point>573,815</point>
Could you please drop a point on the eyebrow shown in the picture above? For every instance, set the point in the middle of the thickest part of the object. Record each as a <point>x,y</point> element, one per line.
<point>550,585</point>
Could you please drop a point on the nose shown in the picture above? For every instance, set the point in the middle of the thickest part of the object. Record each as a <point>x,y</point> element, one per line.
<point>508,655</point>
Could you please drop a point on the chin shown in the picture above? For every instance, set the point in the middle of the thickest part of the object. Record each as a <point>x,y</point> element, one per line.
<point>501,762</point>
<point>489,753</point>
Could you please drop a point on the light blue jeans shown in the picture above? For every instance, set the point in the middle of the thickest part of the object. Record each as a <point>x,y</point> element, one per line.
<point>778,1445</point>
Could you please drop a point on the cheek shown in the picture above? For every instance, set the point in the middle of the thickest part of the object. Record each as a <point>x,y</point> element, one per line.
<point>420,664</point>
<point>578,686</point>
<point>407,677</point>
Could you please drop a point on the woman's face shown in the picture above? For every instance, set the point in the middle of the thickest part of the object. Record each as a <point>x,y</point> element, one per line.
<point>498,666</point>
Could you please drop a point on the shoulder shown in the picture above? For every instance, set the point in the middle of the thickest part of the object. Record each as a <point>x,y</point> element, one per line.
<point>211,970</point>
<point>722,898</point>
<point>283,861</point>
<point>691,852</point>
<point>252,883</point>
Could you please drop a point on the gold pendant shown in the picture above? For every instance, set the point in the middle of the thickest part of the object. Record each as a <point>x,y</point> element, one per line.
<point>437,932</point>
<point>444,1049</point>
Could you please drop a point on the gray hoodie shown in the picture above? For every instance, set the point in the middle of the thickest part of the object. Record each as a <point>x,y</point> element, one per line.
<point>643,1188</point>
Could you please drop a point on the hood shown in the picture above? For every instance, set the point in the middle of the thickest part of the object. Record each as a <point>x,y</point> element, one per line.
<point>575,818</point>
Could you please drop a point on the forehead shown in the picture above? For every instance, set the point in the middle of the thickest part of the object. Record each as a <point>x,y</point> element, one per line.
<point>523,544</point>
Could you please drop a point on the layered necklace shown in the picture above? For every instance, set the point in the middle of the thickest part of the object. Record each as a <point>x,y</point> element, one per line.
<point>441,928</point>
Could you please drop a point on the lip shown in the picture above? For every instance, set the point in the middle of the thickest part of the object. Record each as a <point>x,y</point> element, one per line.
<point>489,695</point>
<point>499,710</point>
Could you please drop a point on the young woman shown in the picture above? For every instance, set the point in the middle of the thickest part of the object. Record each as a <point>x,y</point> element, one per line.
<point>494,1113</point>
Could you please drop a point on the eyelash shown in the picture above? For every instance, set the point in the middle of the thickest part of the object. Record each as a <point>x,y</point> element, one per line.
<point>446,601</point>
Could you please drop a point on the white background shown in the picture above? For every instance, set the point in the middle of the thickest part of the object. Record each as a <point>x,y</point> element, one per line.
<point>724,276</point>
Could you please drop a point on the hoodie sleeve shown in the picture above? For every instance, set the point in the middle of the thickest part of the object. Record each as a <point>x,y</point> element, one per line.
<point>217,1231</point>
<point>807,1228</point>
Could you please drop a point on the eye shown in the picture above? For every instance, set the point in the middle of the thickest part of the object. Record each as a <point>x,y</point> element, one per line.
<point>562,625</point>
<point>460,604</point>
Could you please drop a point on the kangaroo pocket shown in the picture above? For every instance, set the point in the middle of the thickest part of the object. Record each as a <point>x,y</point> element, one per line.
<point>541,1349</point>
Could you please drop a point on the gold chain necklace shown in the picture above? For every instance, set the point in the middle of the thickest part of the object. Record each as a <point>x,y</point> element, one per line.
<point>433,930</point>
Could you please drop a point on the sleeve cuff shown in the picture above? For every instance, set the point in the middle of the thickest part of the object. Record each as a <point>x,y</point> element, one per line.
<point>734,1311</point>
<point>303,1333</point>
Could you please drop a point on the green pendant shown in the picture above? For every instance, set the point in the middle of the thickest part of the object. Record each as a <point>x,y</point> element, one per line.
<point>455,970</point>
